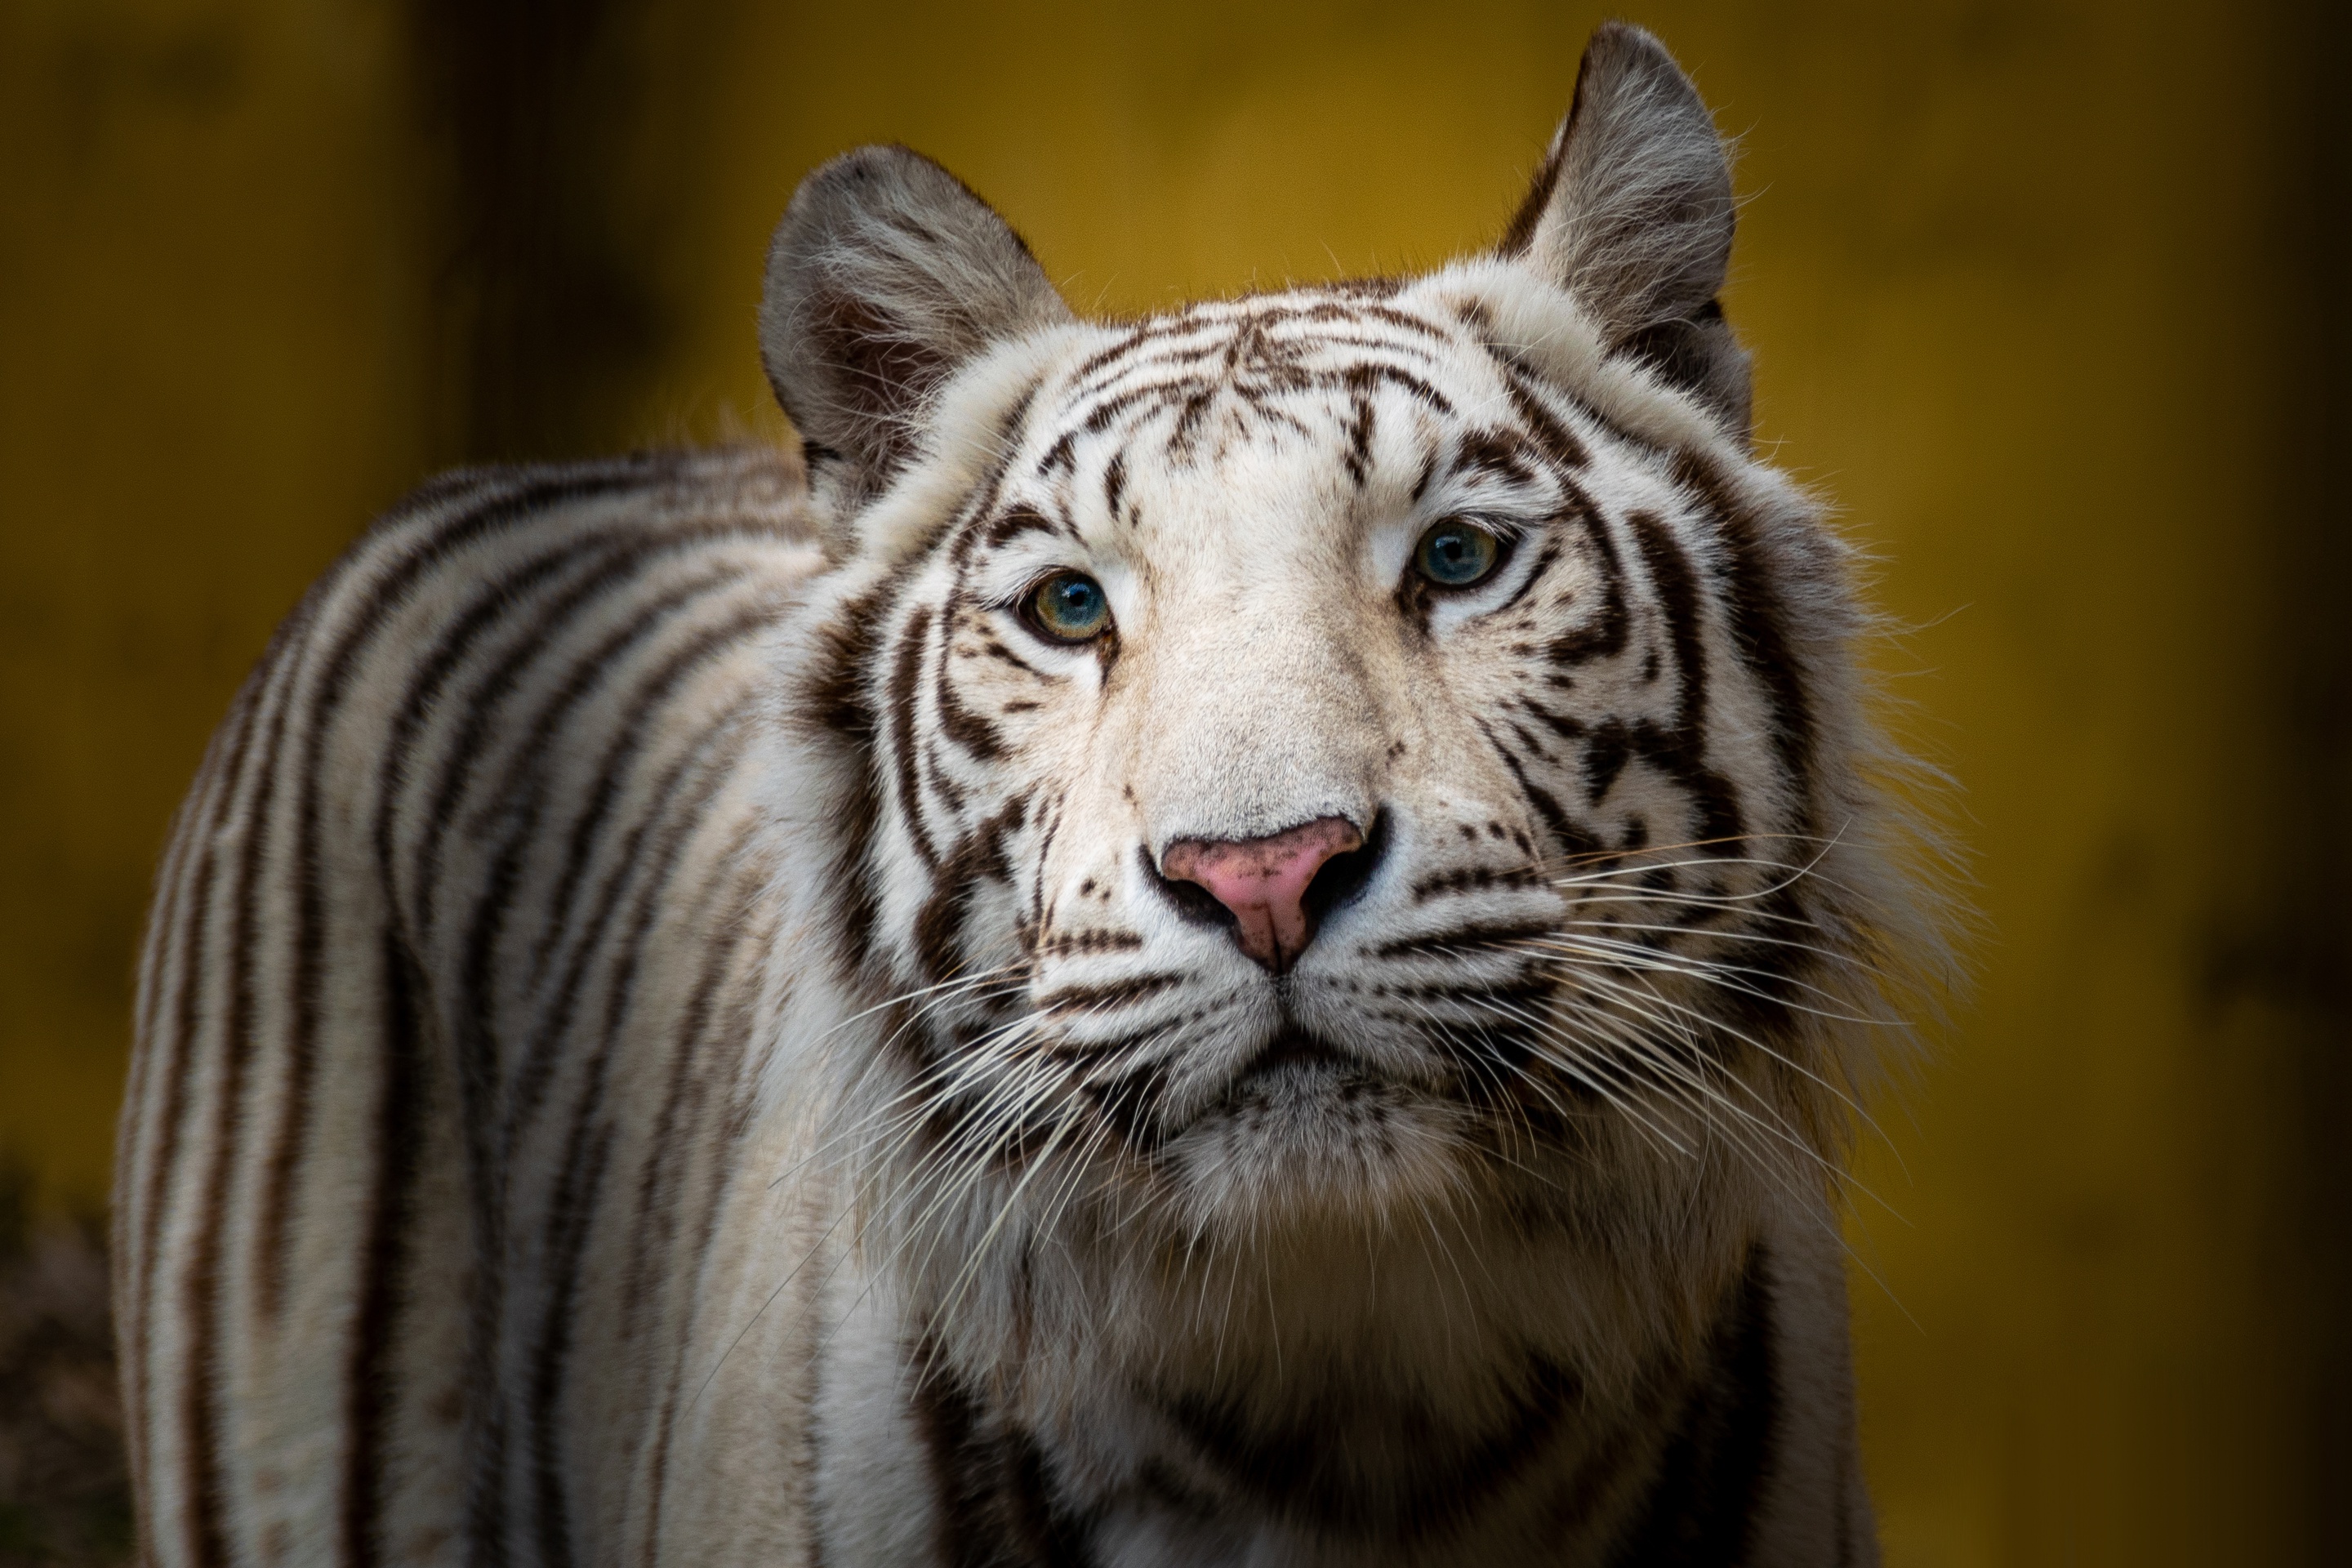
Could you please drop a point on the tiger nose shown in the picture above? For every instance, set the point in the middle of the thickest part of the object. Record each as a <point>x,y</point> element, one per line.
<point>1263,881</point>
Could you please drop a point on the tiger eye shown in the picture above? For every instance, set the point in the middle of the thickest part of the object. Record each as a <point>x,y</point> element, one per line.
<point>1070,606</point>
<point>1456,553</point>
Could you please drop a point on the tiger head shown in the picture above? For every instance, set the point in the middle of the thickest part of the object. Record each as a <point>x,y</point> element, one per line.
<point>1327,750</point>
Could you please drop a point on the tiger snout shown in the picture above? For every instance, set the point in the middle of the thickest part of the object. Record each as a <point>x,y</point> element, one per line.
<point>1264,888</point>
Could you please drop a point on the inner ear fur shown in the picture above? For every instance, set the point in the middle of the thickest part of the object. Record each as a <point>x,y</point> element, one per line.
<point>886,274</point>
<point>1633,214</point>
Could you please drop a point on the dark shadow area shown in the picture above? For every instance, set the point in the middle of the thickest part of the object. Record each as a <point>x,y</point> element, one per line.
<point>64,1490</point>
<point>2306,960</point>
<point>547,317</point>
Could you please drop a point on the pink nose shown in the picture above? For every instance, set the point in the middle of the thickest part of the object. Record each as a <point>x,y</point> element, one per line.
<point>1264,880</point>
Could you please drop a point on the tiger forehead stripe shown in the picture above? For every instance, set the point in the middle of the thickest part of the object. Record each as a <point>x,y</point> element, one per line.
<point>1258,314</point>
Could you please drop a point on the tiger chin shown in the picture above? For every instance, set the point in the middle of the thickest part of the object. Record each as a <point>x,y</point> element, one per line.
<point>1244,936</point>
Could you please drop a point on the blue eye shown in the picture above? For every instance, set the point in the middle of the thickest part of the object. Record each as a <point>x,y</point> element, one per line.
<point>1456,553</point>
<point>1069,606</point>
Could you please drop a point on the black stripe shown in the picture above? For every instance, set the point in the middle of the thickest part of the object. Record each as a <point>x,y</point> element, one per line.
<point>700,1055</point>
<point>531,1075</point>
<point>1117,993</point>
<point>203,1420</point>
<point>586,834</point>
<point>368,1385</point>
<point>627,559</point>
<point>1452,944</point>
<point>1299,1461</point>
<point>572,1206</point>
<point>474,1037</point>
<point>228,765</point>
<point>980,854</point>
<point>1605,636</point>
<point>837,714</point>
<point>492,608</point>
<point>1760,624</point>
<point>906,669</point>
<point>1701,1511</point>
<point>1683,751</point>
<point>476,1054</point>
<point>967,729</point>
<point>218,785</point>
<point>1114,484</point>
<point>1568,454</point>
<point>1569,838</point>
<point>493,512</point>
<point>205,1545</point>
<point>660,1176</point>
<point>493,605</point>
<point>998,1508</point>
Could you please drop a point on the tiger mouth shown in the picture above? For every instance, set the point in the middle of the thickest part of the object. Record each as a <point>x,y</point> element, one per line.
<point>1293,1050</point>
<point>1299,1070</point>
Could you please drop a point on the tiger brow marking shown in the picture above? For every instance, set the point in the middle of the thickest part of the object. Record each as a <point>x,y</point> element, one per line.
<point>1011,525</point>
<point>1359,439</point>
<point>1558,442</point>
<point>906,669</point>
<point>1492,450</point>
<point>1114,483</point>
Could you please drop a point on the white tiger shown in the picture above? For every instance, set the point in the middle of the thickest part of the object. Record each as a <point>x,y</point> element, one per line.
<point>1242,937</point>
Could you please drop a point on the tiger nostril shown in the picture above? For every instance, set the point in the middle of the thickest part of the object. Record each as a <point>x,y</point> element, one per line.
<point>1263,888</point>
<point>1191,901</point>
<point>1343,878</point>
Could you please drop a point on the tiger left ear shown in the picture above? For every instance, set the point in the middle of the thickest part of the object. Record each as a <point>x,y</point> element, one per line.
<point>886,275</point>
<point>1631,213</point>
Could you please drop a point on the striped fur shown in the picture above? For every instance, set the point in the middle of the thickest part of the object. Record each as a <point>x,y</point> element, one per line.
<point>664,1037</point>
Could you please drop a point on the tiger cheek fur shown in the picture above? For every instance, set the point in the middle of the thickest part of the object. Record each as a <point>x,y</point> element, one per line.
<point>1246,936</point>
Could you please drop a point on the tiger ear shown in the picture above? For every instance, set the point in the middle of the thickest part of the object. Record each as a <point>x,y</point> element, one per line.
<point>886,275</point>
<point>1631,213</point>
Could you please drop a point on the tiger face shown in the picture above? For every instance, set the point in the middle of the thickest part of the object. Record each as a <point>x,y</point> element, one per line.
<point>1326,751</point>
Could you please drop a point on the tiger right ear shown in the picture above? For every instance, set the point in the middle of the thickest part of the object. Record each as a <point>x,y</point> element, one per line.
<point>1631,213</point>
<point>886,275</point>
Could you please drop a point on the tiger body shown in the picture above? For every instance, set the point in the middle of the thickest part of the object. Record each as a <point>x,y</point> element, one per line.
<point>676,1026</point>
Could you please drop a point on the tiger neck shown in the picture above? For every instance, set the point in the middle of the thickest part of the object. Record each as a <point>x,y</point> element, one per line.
<point>1439,1389</point>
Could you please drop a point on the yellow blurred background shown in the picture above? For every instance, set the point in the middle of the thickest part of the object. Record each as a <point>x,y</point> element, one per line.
<point>2048,297</point>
